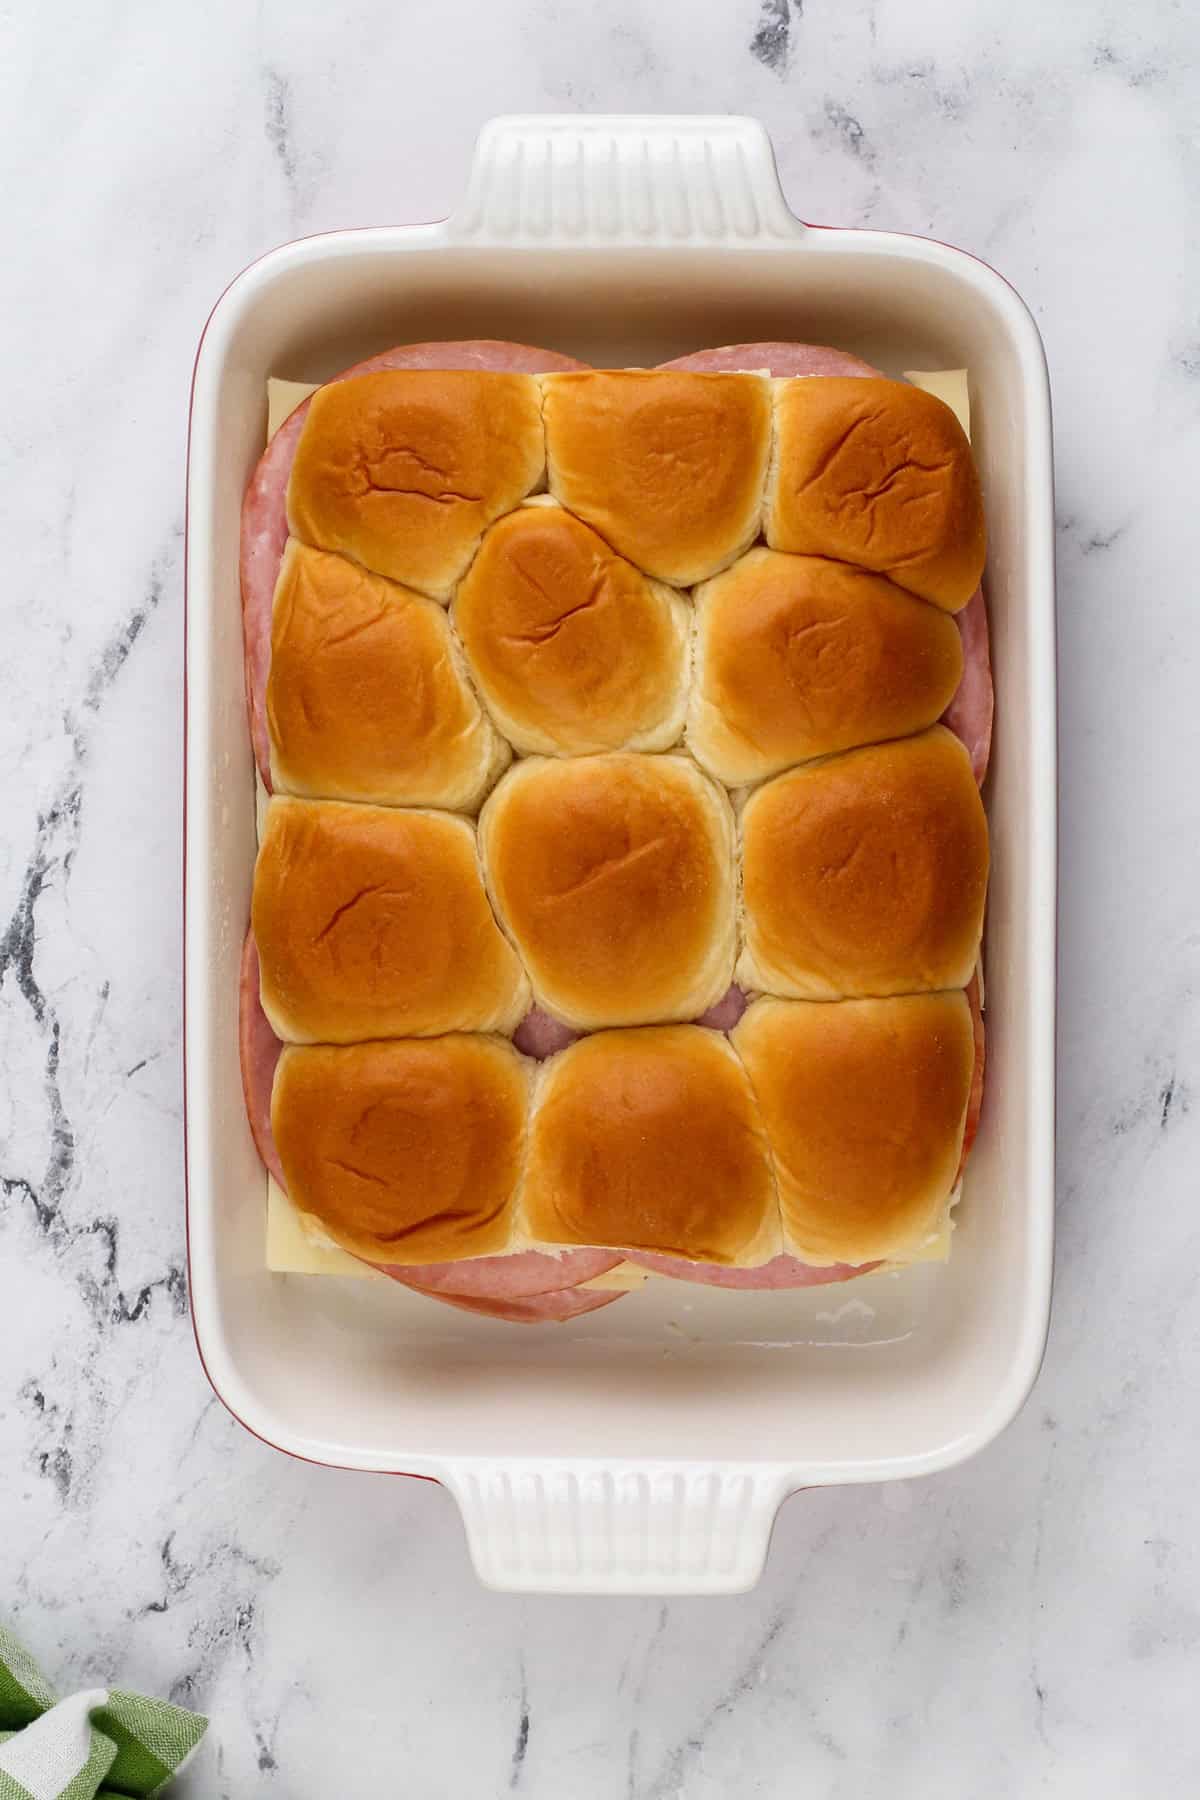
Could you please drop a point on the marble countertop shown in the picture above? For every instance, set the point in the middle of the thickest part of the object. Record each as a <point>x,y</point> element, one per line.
<point>1028,1623</point>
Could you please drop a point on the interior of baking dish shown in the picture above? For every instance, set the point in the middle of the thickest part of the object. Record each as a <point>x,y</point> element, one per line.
<point>892,1374</point>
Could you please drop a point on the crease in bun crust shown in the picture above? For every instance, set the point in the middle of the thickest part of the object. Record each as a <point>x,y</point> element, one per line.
<point>614,876</point>
<point>667,466</point>
<point>651,1140</point>
<point>798,657</point>
<point>879,474</point>
<point>405,1152</point>
<point>367,696</point>
<point>373,922</point>
<point>573,649</point>
<point>404,469</point>
<point>865,873</point>
<point>864,1104</point>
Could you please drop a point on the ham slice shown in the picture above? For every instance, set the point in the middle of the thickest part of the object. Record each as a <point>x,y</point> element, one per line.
<point>975,1101</point>
<point>541,1035</point>
<point>537,1309</point>
<point>776,359</point>
<point>727,1011</point>
<point>969,714</point>
<point>525,1275</point>
<point>780,1272</point>
<point>264,509</point>
<point>259,1050</point>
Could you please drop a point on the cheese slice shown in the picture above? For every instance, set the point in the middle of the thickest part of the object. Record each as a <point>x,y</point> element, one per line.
<point>283,397</point>
<point>261,801</point>
<point>294,1242</point>
<point>297,1246</point>
<point>622,1280</point>
<point>949,385</point>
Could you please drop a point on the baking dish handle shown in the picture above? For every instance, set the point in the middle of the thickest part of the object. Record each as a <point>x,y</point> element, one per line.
<point>624,179</point>
<point>636,1529</point>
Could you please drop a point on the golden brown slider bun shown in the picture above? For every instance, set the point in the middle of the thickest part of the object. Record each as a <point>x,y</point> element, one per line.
<point>879,474</point>
<point>614,876</point>
<point>866,874</point>
<point>366,699</point>
<point>405,1152</point>
<point>571,647</point>
<point>667,466</point>
<point>797,656</point>
<point>651,1140</point>
<point>373,922</point>
<point>404,469</point>
<point>863,1104</point>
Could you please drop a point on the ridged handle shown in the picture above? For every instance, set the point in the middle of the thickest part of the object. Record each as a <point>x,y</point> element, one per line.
<point>624,179</point>
<point>638,1529</point>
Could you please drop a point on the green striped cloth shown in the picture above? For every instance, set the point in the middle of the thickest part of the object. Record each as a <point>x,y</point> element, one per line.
<point>99,1742</point>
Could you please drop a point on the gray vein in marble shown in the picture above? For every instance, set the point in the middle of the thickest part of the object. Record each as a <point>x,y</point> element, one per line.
<point>1165,1098</point>
<point>671,1778</point>
<point>265,1758</point>
<point>1059,1574</point>
<point>1087,540</point>
<point>849,132</point>
<point>55,843</point>
<point>771,43</point>
<point>637,1699</point>
<point>1137,74</point>
<point>521,1746</point>
<point>277,123</point>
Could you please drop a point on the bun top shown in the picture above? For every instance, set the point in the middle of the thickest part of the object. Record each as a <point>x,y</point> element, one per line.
<point>614,877</point>
<point>667,466</point>
<point>651,1140</point>
<point>373,922</point>
<point>797,656</point>
<point>572,648</point>
<point>365,697</point>
<point>879,474</point>
<point>864,1105</point>
<point>603,881</point>
<point>403,470</point>
<point>405,1152</point>
<point>866,874</point>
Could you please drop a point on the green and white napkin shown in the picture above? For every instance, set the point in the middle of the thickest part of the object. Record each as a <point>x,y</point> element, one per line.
<point>101,1742</point>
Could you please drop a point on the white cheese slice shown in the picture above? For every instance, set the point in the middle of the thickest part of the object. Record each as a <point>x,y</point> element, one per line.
<point>283,397</point>
<point>261,801</point>
<point>949,385</point>
<point>622,1280</point>
<point>295,1246</point>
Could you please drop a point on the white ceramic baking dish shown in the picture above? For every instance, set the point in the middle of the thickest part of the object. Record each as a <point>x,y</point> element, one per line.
<point>646,1448</point>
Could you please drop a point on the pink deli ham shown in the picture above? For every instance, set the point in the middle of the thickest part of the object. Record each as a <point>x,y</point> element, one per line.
<point>259,1050</point>
<point>776,359</point>
<point>522,1276</point>
<point>780,1272</point>
<point>538,1309</point>
<point>969,714</point>
<point>264,509</point>
<point>975,1102</point>
<point>727,1011</point>
<point>541,1035</point>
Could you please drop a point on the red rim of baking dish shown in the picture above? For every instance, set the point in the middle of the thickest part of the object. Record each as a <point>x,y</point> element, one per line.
<point>308,238</point>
